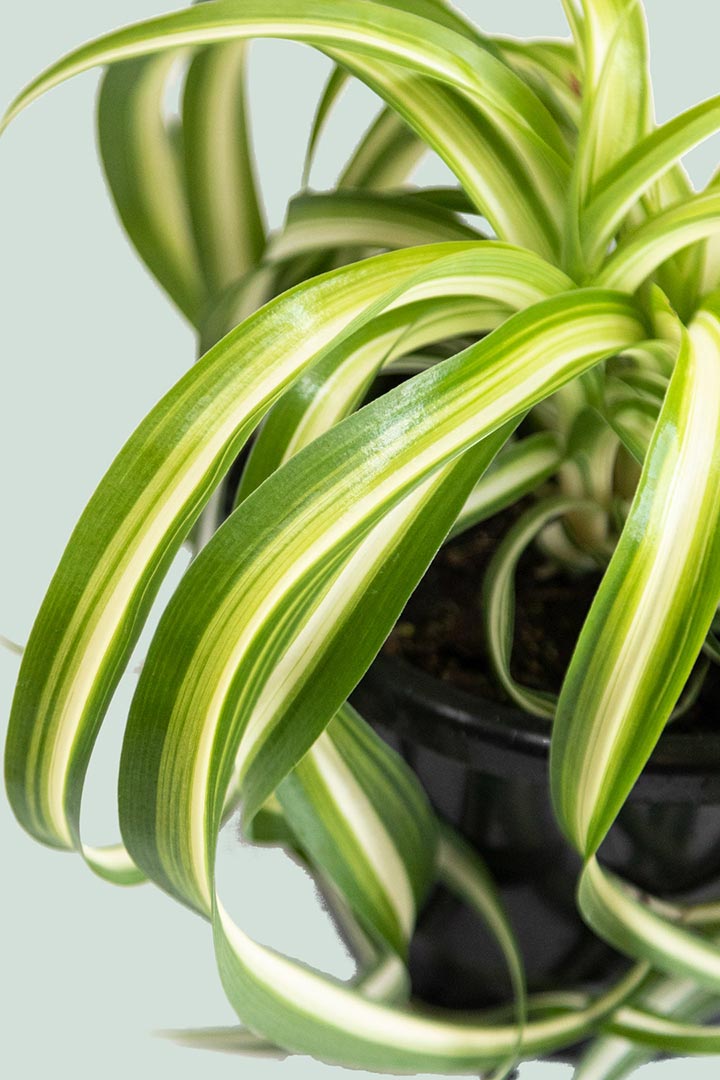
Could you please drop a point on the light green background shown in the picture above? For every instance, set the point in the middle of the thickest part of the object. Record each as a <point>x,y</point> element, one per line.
<point>89,344</point>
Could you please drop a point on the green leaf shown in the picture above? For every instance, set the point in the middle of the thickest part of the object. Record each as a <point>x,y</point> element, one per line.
<point>333,387</point>
<point>464,873</point>
<point>366,220</point>
<point>637,170</point>
<point>314,1014</point>
<point>644,250</point>
<point>390,34</point>
<point>519,468</point>
<point>226,1040</point>
<point>641,927</point>
<point>413,491</point>
<point>445,14</point>
<point>681,278</point>
<point>362,818</point>
<point>522,205</point>
<point>142,159</point>
<point>266,709</point>
<point>137,520</point>
<point>553,69</point>
<point>575,18</point>
<point>665,1034</point>
<point>498,597</point>
<point>710,256</point>
<point>633,421</point>
<point>654,606</point>
<point>333,89</point>
<point>224,203</point>
<point>615,106</point>
<point>614,1056</point>
<point>242,699</point>
<point>528,137</point>
<point>385,156</point>
<point>330,389</point>
<point>616,87</point>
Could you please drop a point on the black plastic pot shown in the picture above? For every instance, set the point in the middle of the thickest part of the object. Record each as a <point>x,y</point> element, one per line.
<point>484,767</point>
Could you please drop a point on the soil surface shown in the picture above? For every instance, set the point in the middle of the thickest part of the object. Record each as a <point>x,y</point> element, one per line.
<point>441,629</point>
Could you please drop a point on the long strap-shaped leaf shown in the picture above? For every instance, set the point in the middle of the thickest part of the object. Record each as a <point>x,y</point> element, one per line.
<point>518,469</point>
<point>361,816</point>
<point>710,257</point>
<point>328,390</point>
<point>375,29</point>
<point>553,69</point>
<point>325,1044</point>
<point>551,344</point>
<point>678,1002</point>
<point>670,1035</point>
<point>456,1045</point>
<point>642,251</point>
<point>444,13</point>
<point>331,814</point>
<point>462,872</point>
<point>322,231</point>
<point>366,220</point>
<point>615,104</point>
<point>522,206</point>
<point>664,1016</point>
<point>498,598</point>
<point>616,914</point>
<point>372,33</point>
<point>385,156</point>
<point>311,1013</point>
<point>616,87</point>
<point>142,159</point>
<point>453,406</point>
<point>638,170</point>
<point>574,16</point>
<point>218,158</point>
<point>381,973</point>
<point>358,812</point>
<point>107,579</point>
<point>140,515</point>
<point>332,90</point>
<point>381,976</point>
<point>341,616</point>
<point>654,606</point>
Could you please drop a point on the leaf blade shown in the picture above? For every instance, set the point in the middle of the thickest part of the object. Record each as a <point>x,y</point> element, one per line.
<point>653,609</point>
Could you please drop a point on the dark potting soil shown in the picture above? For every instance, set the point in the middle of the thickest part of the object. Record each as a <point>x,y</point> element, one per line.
<point>441,628</point>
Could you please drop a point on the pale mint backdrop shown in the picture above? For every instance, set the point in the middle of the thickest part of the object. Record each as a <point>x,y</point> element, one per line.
<point>88,345</point>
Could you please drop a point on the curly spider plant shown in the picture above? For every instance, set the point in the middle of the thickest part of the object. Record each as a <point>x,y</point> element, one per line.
<point>590,316</point>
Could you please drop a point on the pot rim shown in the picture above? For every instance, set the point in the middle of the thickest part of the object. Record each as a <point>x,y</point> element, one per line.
<point>503,740</point>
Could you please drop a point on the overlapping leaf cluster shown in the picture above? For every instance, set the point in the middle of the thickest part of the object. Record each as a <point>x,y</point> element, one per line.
<point>571,349</point>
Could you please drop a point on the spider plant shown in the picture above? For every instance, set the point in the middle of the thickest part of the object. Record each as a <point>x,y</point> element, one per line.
<point>589,313</point>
